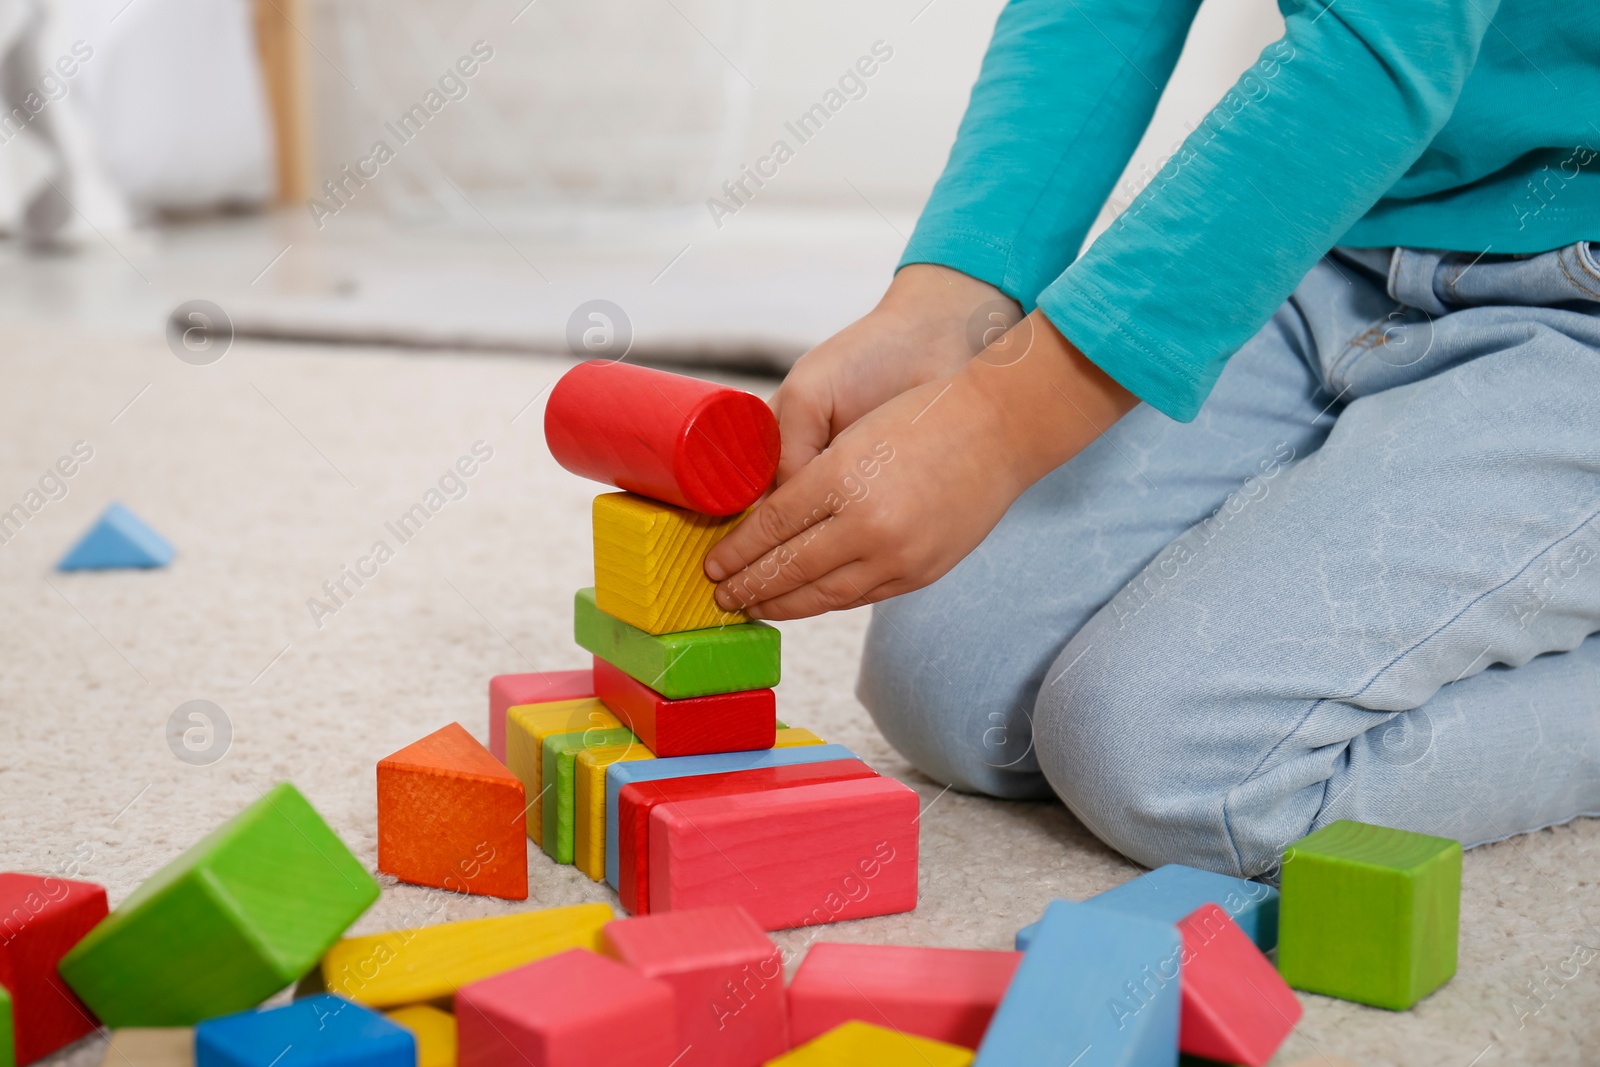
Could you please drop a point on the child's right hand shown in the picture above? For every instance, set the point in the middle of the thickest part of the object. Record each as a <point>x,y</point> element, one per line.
<point>929,324</point>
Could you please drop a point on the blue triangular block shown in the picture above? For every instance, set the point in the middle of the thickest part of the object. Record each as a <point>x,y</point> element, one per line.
<point>119,538</point>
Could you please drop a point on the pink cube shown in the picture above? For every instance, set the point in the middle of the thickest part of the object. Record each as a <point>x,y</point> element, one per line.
<point>544,687</point>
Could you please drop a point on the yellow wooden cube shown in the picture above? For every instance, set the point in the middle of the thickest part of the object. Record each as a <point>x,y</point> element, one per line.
<point>434,1030</point>
<point>795,736</point>
<point>855,1042</point>
<point>649,561</point>
<point>527,725</point>
<point>589,804</point>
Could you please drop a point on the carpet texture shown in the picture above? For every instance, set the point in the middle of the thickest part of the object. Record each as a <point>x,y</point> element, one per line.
<point>276,467</point>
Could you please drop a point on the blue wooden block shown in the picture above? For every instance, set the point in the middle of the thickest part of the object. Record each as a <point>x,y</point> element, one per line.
<point>119,538</point>
<point>1097,988</point>
<point>1169,893</point>
<point>319,1031</point>
<point>654,770</point>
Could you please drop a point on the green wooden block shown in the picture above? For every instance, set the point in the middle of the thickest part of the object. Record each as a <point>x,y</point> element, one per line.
<point>560,759</point>
<point>690,663</point>
<point>1370,914</point>
<point>8,1041</point>
<point>246,911</point>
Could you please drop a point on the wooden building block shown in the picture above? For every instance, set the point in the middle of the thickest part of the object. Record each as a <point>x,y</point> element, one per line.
<point>434,1030</point>
<point>560,754</point>
<point>543,687</point>
<point>1097,987</point>
<point>165,1046</point>
<point>637,801</point>
<point>859,1044</point>
<point>1169,893</point>
<point>41,918</point>
<point>243,913</point>
<point>8,1044</point>
<point>589,804</point>
<point>792,857</point>
<point>1236,1007</point>
<point>575,1009</point>
<point>627,772</point>
<point>795,736</point>
<point>694,663</point>
<point>726,722</point>
<point>450,816</point>
<point>527,725</point>
<point>693,443</point>
<point>1370,914</point>
<point>319,1031</point>
<point>649,564</point>
<point>424,963</point>
<point>726,978</point>
<point>948,994</point>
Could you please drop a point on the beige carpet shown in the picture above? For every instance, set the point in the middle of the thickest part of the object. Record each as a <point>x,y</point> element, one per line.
<point>274,467</point>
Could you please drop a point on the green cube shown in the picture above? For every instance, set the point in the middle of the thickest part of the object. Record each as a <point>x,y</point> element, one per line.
<point>689,663</point>
<point>245,912</point>
<point>8,1042</point>
<point>1370,914</point>
<point>560,759</point>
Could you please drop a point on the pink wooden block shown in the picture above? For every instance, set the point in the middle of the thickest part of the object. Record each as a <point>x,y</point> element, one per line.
<point>1236,1006</point>
<point>792,857</point>
<point>948,994</point>
<point>727,977</point>
<point>544,687</point>
<point>575,1009</point>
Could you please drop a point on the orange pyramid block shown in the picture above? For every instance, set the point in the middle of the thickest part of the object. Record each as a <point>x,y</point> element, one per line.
<point>452,816</point>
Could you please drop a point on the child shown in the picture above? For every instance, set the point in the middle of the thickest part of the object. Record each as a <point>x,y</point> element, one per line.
<point>1350,576</point>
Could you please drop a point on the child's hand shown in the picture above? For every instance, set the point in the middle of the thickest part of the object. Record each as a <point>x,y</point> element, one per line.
<point>912,487</point>
<point>920,330</point>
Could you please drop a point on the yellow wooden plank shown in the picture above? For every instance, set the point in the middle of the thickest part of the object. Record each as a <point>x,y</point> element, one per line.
<point>859,1044</point>
<point>795,736</point>
<point>649,561</point>
<point>527,725</point>
<point>434,1030</point>
<point>401,967</point>
<point>167,1046</point>
<point>589,804</point>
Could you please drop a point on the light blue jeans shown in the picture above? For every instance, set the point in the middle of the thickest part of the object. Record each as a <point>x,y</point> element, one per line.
<point>1358,586</point>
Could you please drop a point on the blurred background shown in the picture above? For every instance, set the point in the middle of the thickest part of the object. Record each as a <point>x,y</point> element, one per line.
<point>469,175</point>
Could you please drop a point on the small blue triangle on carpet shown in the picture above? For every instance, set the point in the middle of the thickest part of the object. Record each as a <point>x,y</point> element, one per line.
<point>119,538</point>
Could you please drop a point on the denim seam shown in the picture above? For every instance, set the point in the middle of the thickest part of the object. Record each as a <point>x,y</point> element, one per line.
<point>1227,817</point>
<point>1561,260</point>
<point>1338,372</point>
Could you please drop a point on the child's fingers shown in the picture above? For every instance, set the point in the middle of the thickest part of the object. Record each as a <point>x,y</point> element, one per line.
<point>786,513</point>
<point>850,586</point>
<point>803,428</point>
<point>812,553</point>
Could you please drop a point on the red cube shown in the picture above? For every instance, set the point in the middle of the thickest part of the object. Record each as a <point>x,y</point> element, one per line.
<point>41,917</point>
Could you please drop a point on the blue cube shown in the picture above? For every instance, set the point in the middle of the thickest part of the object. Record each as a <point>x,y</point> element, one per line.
<point>320,1031</point>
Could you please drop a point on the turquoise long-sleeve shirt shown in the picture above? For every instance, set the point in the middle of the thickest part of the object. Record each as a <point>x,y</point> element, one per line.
<point>1471,125</point>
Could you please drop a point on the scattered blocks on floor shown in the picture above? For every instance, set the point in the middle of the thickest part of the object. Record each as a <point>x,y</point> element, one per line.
<point>1236,1007</point>
<point>724,722</point>
<point>948,994</point>
<point>243,913</point>
<point>636,802</point>
<point>1092,979</point>
<point>542,687</point>
<point>856,1044</point>
<point>1370,914</point>
<point>434,1030</point>
<point>649,564</point>
<point>1171,892</point>
<point>41,918</point>
<point>792,857</point>
<point>166,1046</point>
<point>589,804</point>
<point>693,663</point>
<point>450,816</point>
<point>575,1009</point>
<point>118,539</point>
<point>627,772</point>
<point>726,978</point>
<point>558,776</point>
<point>320,1031</point>
<point>401,967</point>
<point>527,725</point>
<point>693,443</point>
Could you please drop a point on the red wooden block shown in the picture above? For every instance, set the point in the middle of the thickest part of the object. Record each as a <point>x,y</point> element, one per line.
<point>948,994</point>
<point>792,857</point>
<point>689,442</point>
<point>543,687</point>
<point>41,917</point>
<point>575,1009</point>
<point>635,803</point>
<point>1236,1006</point>
<point>726,722</point>
<point>727,977</point>
<point>452,816</point>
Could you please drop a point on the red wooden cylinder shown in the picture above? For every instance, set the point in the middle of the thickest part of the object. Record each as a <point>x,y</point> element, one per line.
<point>693,443</point>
